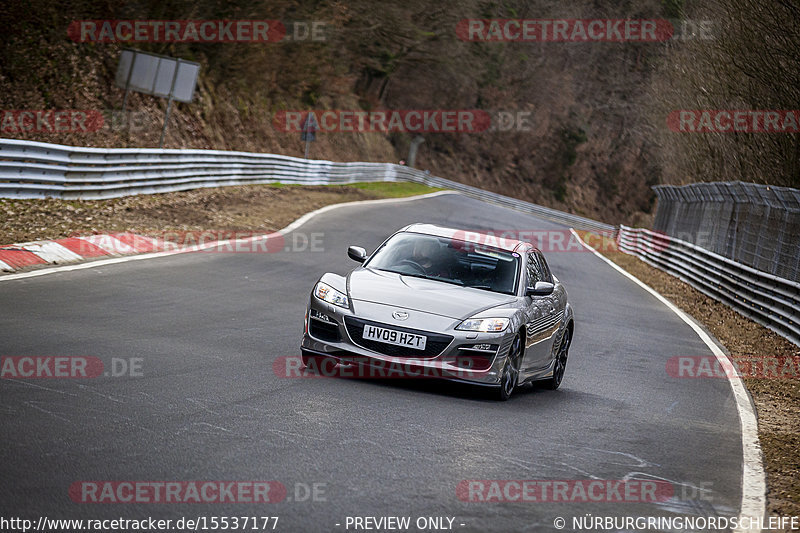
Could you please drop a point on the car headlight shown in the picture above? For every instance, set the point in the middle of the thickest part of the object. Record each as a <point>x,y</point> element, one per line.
<point>326,293</point>
<point>491,325</point>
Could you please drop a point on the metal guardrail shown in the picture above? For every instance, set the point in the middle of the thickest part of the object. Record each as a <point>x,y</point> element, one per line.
<point>765,298</point>
<point>40,170</point>
<point>754,224</point>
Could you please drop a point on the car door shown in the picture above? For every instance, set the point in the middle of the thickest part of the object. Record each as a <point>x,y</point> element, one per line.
<point>556,303</point>
<point>542,317</point>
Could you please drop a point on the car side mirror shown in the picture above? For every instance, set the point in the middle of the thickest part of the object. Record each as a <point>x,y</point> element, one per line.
<point>541,288</point>
<point>357,253</point>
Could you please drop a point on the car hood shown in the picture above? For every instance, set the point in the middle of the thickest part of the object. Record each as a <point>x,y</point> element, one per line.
<point>419,294</point>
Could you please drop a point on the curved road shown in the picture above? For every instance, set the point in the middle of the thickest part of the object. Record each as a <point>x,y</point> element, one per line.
<point>208,406</point>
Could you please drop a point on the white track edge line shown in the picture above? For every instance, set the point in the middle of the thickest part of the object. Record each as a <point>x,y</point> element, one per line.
<point>754,488</point>
<point>291,227</point>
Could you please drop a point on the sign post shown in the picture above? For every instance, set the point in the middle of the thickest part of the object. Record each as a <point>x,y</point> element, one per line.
<point>127,83</point>
<point>169,108</point>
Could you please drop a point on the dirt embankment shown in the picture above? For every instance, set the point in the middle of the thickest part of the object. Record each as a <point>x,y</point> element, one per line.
<point>568,123</point>
<point>252,208</point>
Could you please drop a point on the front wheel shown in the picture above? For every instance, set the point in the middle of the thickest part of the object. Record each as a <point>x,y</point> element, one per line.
<point>561,361</point>
<point>510,373</point>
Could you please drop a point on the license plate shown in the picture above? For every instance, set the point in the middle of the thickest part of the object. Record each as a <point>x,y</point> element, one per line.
<point>398,338</point>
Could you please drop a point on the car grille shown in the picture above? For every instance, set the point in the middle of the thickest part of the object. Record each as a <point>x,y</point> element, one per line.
<point>434,345</point>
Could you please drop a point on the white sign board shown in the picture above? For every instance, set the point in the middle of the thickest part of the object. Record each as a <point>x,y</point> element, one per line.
<point>157,75</point>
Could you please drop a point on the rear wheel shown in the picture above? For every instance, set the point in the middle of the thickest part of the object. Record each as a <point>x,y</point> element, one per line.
<point>561,361</point>
<point>510,374</point>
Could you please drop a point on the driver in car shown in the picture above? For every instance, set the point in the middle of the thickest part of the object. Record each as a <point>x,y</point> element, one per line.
<point>427,254</point>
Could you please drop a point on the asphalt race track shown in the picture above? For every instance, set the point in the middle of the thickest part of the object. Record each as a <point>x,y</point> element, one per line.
<point>207,327</point>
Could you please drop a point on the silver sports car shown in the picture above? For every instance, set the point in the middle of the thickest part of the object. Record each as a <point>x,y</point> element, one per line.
<point>444,303</point>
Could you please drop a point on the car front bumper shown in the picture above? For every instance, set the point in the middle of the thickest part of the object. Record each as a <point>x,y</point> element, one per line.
<point>465,357</point>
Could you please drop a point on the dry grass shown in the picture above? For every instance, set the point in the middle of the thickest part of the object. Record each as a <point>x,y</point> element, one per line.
<point>244,208</point>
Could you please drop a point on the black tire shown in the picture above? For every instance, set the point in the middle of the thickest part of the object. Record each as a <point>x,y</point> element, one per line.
<point>561,361</point>
<point>509,376</point>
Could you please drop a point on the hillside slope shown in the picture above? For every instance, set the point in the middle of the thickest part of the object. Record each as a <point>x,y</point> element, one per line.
<point>587,142</point>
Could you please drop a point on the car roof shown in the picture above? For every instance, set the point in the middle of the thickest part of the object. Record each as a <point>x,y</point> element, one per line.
<point>497,241</point>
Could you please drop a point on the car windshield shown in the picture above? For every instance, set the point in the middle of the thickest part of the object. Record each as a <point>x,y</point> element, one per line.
<point>449,261</point>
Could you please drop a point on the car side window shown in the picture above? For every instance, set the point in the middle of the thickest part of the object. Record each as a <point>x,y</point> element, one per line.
<point>538,269</point>
<point>545,269</point>
<point>534,272</point>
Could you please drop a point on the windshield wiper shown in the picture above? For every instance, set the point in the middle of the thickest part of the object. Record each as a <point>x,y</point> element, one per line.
<point>487,288</point>
<point>421,276</point>
<point>447,280</point>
